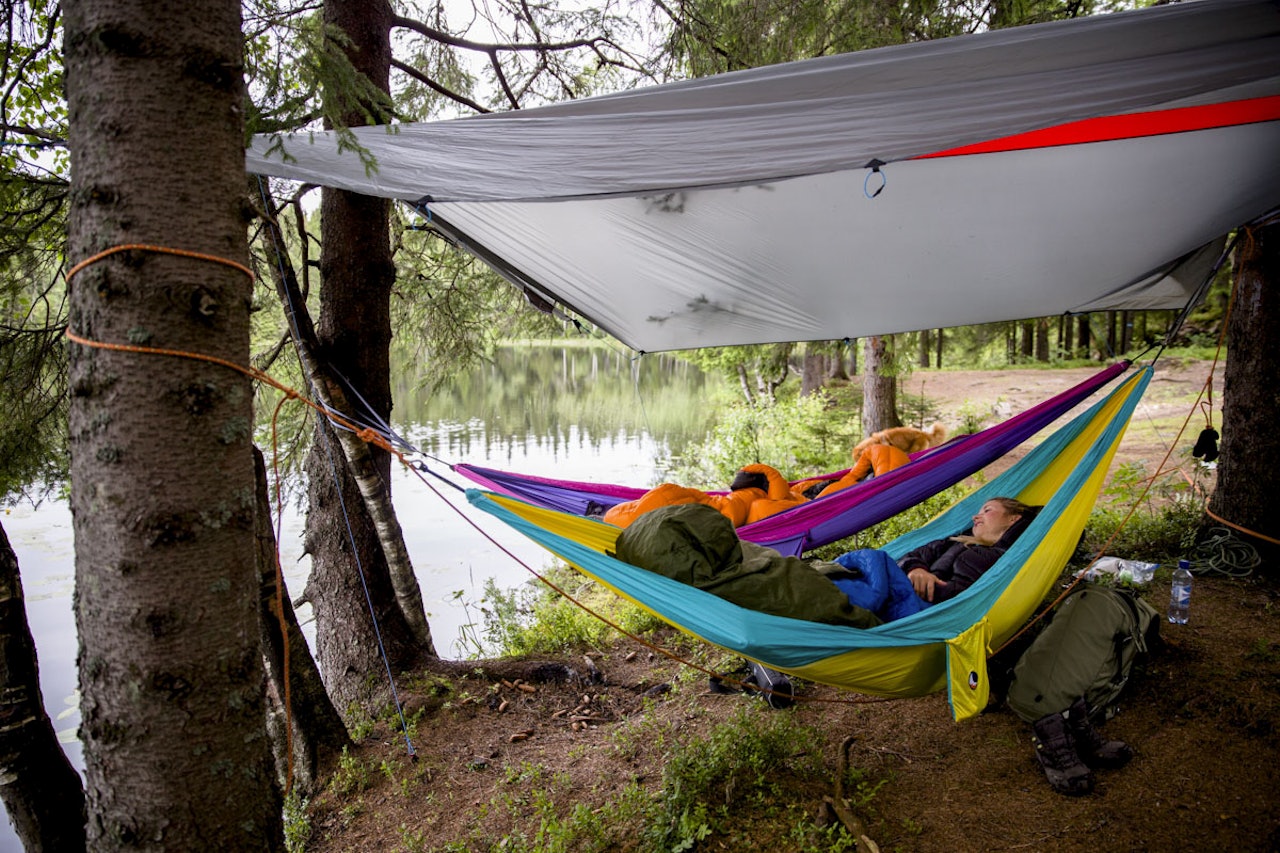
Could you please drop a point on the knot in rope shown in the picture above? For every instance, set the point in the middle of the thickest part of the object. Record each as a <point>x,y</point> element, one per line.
<point>370,436</point>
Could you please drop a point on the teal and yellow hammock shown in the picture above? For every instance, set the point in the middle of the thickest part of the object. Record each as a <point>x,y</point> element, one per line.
<point>945,645</point>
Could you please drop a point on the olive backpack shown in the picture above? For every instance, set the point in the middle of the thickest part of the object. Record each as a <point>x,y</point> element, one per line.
<point>1088,649</point>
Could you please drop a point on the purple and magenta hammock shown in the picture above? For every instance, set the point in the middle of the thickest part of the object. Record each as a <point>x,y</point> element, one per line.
<point>836,516</point>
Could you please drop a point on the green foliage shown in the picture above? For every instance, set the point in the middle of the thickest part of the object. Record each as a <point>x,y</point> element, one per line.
<point>1159,527</point>
<point>351,777</point>
<point>34,114</point>
<point>799,437</point>
<point>752,368</point>
<point>455,309</point>
<point>297,823</point>
<point>534,619</point>
<point>746,766</point>
<point>755,773</point>
<point>917,410</point>
<point>33,349</point>
<point>904,522</point>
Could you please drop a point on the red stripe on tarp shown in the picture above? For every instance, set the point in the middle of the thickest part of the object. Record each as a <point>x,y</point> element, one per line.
<point>1128,126</point>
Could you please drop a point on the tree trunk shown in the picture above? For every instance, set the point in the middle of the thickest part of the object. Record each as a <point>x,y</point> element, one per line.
<point>1126,332</point>
<point>836,363</point>
<point>879,386</point>
<point>1084,342</point>
<point>1065,328</point>
<point>40,789</point>
<point>744,382</point>
<point>813,371</point>
<point>922,356</point>
<point>369,472</point>
<point>1112,340</point>
<point>171,679</point>
<point>1028,340</point>
<point>1248,478</point>
<point>354,336</point>
<point>308,734</point>
<point>940,336</point>
<point>1042,340</point>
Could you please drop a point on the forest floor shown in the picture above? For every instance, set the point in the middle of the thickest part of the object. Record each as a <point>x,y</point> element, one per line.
<point>575,765</point>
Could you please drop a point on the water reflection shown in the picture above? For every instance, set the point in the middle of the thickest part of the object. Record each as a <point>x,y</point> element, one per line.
<point>576,413</point>
<point>557,398</point>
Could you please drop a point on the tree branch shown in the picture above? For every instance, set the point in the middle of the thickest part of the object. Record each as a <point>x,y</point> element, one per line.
<point>437,87</point>
<point>489,48</point>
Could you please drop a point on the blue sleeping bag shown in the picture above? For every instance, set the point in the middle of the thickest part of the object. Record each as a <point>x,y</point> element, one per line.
<point>881,587</point>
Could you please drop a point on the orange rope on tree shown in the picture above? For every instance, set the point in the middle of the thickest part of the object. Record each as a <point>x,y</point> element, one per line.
<point>162,250</point>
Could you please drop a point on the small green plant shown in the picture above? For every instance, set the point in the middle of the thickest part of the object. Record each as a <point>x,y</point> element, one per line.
<point>973,417</point>
<point>912,826</point>
<point>809,838</point>
<point>412,841</point>
<point>359,722</point>
<point>297,823</point>
<point>535,619</point>
<point>351,776</point>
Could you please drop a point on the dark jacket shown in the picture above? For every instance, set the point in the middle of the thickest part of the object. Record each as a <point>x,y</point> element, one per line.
<point>959,564</point>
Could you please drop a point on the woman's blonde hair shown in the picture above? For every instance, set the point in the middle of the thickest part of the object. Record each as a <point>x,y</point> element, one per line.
<point>1011,506</point>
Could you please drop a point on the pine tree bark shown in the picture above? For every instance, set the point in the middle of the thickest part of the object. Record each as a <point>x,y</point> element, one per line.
<point>813,370</point>
<point>171,677</point>
<point>925,348</point>
<point>879,386</point>
<point>1248,478</point>
<point>40,789</point>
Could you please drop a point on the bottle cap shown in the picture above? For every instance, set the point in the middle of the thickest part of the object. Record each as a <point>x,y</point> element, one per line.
<point>1184,564</point>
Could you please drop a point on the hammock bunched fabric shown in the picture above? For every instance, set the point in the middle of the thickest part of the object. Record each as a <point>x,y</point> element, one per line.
<point>944,645</point>
<point>836,516</point>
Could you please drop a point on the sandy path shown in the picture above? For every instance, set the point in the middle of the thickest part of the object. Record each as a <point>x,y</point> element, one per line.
<point>1169,398</point>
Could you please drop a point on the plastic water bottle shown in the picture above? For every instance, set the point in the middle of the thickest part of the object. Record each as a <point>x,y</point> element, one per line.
<point>1180,596</point>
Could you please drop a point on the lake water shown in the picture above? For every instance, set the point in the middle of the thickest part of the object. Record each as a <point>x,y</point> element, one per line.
<point>572,413</point>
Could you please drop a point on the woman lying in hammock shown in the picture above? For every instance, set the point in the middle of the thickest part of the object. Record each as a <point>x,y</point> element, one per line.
<point>693,544</point>
<point>937,571</point>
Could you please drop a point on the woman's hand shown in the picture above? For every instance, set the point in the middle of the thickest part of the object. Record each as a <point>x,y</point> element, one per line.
<point>924,582</point>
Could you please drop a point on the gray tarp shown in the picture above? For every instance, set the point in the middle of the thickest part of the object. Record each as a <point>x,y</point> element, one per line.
<point>740,208</point>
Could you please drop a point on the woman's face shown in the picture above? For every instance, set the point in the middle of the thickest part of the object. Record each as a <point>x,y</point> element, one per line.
<point>992,521</point>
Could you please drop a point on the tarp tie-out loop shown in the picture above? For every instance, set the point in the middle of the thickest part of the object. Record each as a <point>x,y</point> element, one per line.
<point>874,166</point>
<point>424,205</point>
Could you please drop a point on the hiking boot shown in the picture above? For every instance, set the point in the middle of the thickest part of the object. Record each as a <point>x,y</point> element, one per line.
<point>1056,752</point>
<point>1091,746</point>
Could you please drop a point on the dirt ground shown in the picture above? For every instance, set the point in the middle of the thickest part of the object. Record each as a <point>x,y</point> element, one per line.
<point>1201,715</point>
